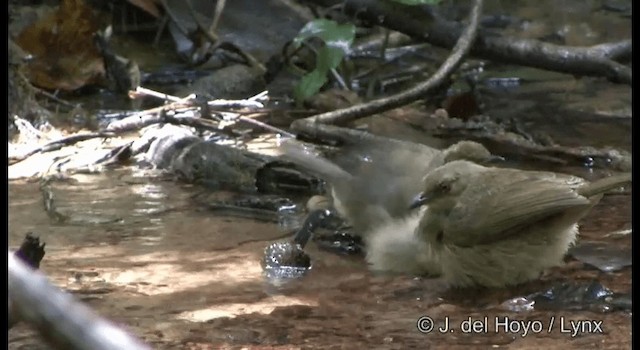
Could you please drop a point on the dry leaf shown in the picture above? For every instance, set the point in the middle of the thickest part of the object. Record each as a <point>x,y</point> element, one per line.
<point>65,56</point>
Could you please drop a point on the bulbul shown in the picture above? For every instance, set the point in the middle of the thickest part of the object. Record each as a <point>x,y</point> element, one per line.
<point>495,227</point>
<point>372,181</point>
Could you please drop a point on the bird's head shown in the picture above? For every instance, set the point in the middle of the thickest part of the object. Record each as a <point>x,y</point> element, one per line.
<point>443,185</point>
<point>472,151</point>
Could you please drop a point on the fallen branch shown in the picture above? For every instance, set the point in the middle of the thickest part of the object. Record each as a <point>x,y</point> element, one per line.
<point>343,116</point>
<point>598,60</point>
<point>179,111</point>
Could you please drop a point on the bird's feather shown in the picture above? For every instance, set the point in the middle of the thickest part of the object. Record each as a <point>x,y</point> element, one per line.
<point>483,216</point>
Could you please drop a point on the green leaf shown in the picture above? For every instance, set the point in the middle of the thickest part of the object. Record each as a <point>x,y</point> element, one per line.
<point>418,2</point>
<point>333,34</point>
<point>328,58</point>
<point>309,85</point>
<point>337,39</point>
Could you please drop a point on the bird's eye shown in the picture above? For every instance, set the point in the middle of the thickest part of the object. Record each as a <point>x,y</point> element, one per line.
<point>445,187</point>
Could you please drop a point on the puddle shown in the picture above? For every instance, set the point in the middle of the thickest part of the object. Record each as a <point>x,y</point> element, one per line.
<point>141,251</point>
<point>182,277</point>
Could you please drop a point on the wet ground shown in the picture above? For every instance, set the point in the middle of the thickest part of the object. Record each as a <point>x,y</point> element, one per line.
<point>142,253</point>
<point>139,250</point>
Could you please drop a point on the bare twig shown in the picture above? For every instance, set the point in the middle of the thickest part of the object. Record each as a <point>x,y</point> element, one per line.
<point>282,132</point>
<point>346,115</point>
<point>42,92</point>
<point>62,321</point>
<point>175,112</point>
<point>49,202</point>
<point>161,27</point>
<point>150,117</point>
<point>174,18</point>
<point>216,15</point>
<point>216,42</point>
<point>251,102</point>
<point>52,97</point>
<point>598,60</point>
<point>58,144</point>
<point>140,91</point>
<point>211,35</point>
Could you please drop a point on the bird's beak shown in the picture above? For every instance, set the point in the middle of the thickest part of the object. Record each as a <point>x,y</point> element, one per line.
<point>420,200</point>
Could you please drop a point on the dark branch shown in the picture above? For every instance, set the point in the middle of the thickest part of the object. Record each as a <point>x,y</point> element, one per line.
<point>598,60</point>
<point>343,116</point>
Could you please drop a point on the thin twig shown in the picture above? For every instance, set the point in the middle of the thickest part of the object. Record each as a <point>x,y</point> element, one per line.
<point>343,116</point>
<point>217,43</point>
<point>174,18</point>
<point>161,27</point>
<point>251,102</point>
<point>141,91</point>
<point>211,35</point>
<point>599,60</point>
<point>220,103</point>
<point>58,144</point>
<point>44,93</point>
<point>216,15</point>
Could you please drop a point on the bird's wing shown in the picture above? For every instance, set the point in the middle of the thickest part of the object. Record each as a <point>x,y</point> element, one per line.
<point>314,163</point>
<point>485,214</point>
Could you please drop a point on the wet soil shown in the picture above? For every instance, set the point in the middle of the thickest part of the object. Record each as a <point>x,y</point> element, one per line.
<point>140,252</point>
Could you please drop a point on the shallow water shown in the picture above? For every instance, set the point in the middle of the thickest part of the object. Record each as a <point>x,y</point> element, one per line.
<point>141,252</point>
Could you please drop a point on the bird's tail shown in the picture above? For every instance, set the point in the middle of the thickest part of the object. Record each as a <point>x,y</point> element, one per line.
<point>316,164</point>
<point>605,184</point>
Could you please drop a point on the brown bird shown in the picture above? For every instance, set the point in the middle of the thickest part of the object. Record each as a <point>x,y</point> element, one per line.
<point>373,180</point>
<point>496,227</point>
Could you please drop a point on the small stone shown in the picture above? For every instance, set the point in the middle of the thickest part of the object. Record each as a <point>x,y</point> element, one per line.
<point>441,113</point>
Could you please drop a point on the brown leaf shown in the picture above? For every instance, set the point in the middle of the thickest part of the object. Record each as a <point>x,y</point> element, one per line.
<point>65,56</point>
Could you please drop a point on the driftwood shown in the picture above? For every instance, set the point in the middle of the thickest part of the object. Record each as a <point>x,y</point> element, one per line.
<point>61,320</point>
<point>178,111</point>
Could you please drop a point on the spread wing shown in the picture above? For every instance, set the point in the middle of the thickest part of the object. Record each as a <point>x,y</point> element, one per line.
<point>485,214</point>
